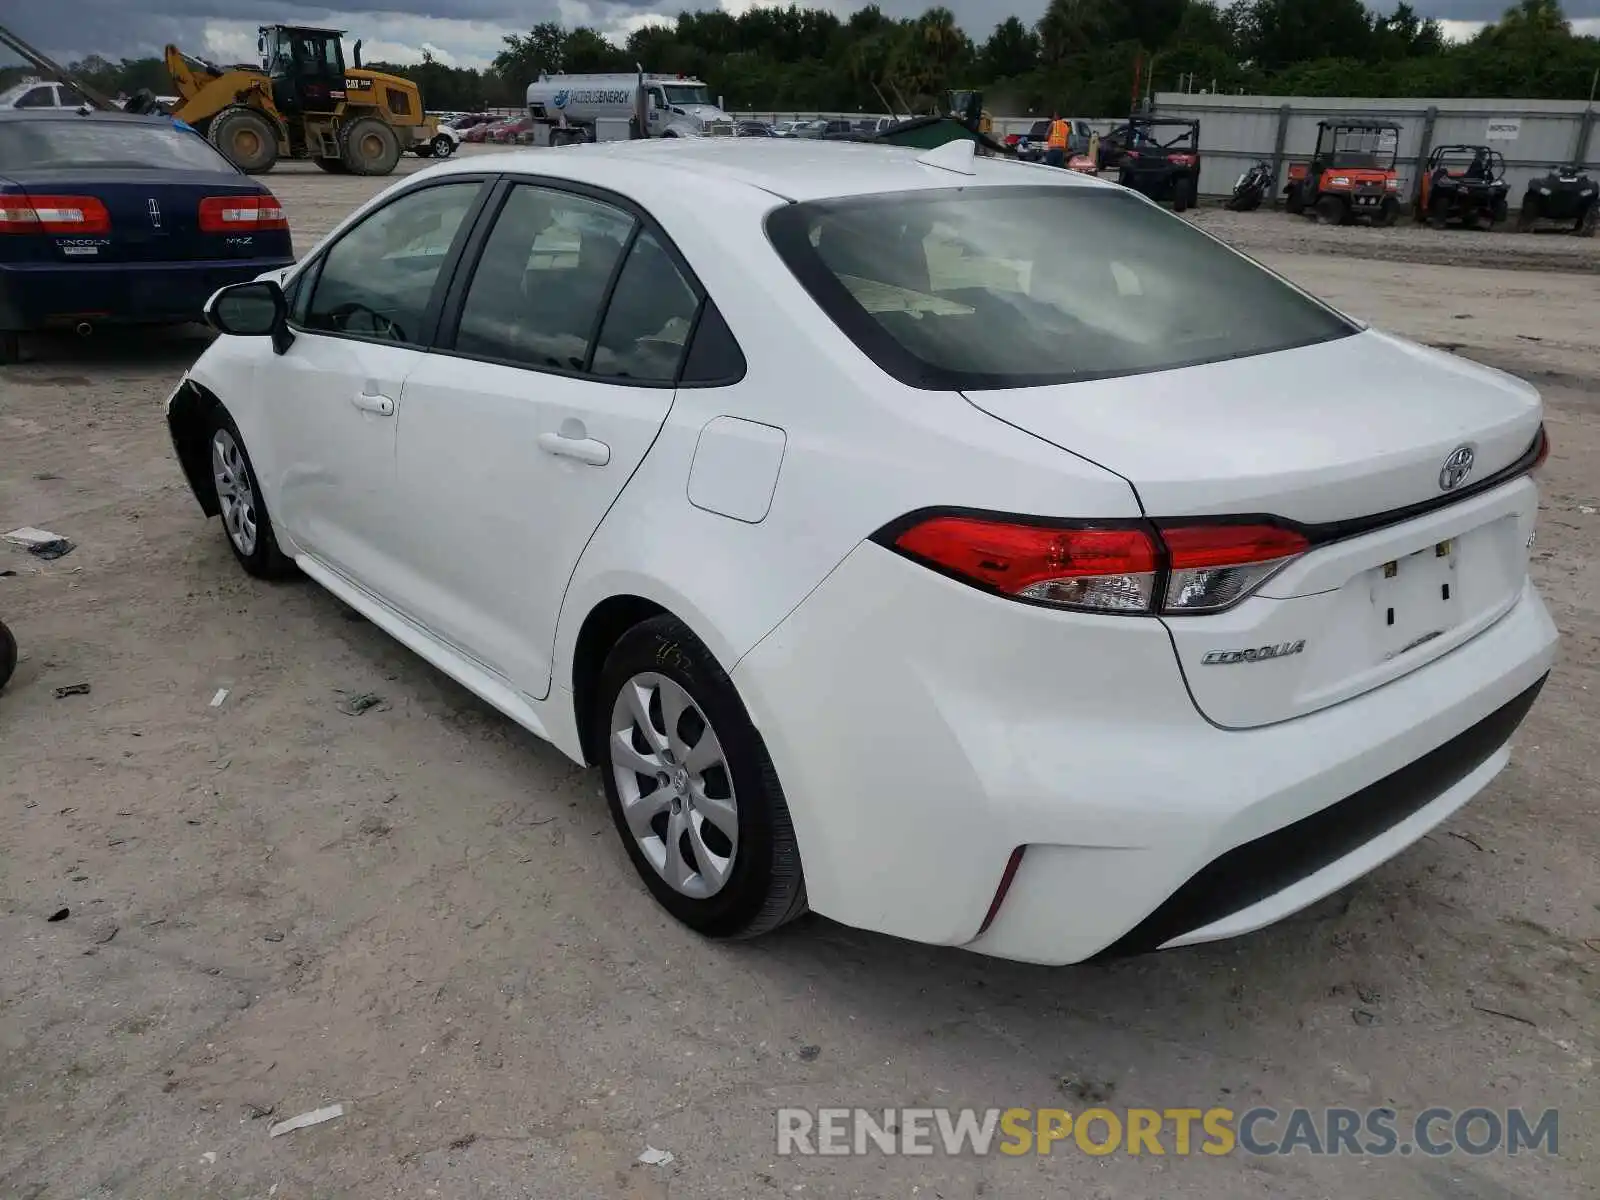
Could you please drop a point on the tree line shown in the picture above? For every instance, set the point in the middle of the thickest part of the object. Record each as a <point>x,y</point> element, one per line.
<point>1091,57</point>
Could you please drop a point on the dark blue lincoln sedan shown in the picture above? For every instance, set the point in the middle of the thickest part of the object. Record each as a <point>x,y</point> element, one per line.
<point>114,218</point>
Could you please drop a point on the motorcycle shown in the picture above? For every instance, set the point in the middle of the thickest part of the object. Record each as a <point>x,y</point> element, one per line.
<point>1251,188</point>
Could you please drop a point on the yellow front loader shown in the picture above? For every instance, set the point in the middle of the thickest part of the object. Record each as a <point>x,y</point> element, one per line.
<point>303,103</point>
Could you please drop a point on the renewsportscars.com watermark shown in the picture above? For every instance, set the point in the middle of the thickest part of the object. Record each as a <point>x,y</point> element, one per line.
<point>1377,1132</point>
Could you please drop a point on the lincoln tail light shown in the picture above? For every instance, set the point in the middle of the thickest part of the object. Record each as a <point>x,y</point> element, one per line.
<point>1126,567</point>
<point>1544,448</point>
<point>241,214</point>
<point>58,215</point>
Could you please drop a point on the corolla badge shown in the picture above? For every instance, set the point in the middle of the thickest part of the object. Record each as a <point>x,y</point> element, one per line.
<point>1227,658</point>
<point>1456,468</point>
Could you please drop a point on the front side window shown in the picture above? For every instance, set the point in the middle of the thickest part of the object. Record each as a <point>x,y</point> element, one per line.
<point>1016,286</point>
<point>536,295</point>
<point>43,96</point>
<point>376,281</point>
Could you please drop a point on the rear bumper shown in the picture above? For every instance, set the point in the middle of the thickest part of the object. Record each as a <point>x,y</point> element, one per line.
<point>924,731</point>
<point>41,295</point>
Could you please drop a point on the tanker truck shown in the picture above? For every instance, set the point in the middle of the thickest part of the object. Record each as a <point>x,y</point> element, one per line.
<point>588,108</point>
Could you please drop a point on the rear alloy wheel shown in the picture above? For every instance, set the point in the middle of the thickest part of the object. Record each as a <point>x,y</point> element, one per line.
<point>244,512</point>
<point>245,138</point>
<point>369,147</point>
<point>442,146</point>
<point>1330,210</point>
<point>691,788</point>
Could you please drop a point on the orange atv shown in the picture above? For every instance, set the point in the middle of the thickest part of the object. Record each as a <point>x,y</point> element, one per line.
<point>1351,175</point>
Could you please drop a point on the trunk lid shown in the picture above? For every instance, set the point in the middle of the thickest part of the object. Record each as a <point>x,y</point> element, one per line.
<point>1350,440</point>
<point>155,215</point>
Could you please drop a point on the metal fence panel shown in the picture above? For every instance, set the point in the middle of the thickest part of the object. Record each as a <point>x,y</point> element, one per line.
<point>1236,131</point>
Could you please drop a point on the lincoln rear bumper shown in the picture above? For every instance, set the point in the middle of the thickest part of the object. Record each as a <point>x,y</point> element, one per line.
<point>41,295</point>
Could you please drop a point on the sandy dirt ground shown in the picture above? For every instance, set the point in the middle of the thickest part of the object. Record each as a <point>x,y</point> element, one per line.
<point>423,913</point>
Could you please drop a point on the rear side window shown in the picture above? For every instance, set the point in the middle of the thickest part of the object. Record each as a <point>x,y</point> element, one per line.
<point>45,144</point>
<point>1017,286</point>
<point>649,319</point>
<point>536,295</point>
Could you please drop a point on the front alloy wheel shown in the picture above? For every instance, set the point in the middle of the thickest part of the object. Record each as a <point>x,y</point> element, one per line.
<point>673,781</point>
<point>235,493</point>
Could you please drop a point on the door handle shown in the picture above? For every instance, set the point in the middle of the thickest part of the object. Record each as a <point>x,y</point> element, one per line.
<point>584,449</point>
<point>368,402</point>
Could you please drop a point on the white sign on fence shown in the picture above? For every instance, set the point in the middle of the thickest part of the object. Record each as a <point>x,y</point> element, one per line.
<point>1503,129</point>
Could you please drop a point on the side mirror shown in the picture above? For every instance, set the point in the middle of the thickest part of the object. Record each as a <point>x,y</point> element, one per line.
<point>254,309</point>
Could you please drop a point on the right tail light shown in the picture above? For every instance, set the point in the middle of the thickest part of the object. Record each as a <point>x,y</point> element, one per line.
<point>1135,567</point>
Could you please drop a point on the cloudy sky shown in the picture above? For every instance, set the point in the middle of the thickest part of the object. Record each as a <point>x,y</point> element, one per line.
<point>469,32</point>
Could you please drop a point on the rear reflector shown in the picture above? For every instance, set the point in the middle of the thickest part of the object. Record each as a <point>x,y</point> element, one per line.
<point>58,215</point>
<point>235,214</point>
<point>1136,567</point>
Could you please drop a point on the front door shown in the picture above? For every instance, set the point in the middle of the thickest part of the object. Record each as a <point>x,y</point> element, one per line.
<point>332,400</point>
<point>519,434</point>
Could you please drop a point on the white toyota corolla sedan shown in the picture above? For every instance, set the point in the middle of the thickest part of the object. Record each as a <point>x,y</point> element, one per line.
<point>959,549</point>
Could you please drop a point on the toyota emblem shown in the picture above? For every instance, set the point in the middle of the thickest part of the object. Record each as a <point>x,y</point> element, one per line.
<point>1456,468</point>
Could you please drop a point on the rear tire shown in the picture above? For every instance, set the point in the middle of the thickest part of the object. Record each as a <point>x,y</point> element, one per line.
<point>1330,210</point>
<point>658,674</point>
<point>1588,222</point>
<point>1183,197</point>
<point>1528,214</point>
<point>1388,213</point>
<point>332,166</point>
<point>245,138</point>
<point>10,348</point>
<point>441,146</point>
<point>1294,203</point>
<point>367,146</point>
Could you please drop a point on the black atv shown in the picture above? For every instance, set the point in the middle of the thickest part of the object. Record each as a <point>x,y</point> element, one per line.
<point>1463,184</point>
<point>1566,195</point>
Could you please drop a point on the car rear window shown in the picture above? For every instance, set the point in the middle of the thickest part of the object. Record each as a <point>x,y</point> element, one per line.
<point>1006,287</point>
<point>81,142</point>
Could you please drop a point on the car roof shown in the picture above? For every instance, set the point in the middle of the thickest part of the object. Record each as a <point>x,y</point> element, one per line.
<point>67,115</point>
<point>792,170</point>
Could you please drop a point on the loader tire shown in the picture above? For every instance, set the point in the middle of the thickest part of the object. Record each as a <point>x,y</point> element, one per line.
<point>332,166</point>
<point>369,147</point>
<point>245,138</point>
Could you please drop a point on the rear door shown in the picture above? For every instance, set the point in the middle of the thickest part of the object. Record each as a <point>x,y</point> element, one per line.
<point>551,382</point>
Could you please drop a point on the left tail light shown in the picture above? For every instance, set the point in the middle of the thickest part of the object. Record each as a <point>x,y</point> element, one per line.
<point>241,214</point>
<point>59,215</point>
<point>1141,568</point>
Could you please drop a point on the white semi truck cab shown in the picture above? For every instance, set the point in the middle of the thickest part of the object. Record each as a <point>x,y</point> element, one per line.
<point>600,107</point>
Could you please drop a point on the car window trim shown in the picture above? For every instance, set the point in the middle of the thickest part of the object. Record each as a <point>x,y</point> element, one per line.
<point>426,333</point>
<point>467,266</point>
